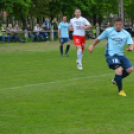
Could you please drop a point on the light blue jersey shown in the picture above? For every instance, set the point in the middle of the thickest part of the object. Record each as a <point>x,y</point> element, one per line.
<point>116,41</point>
<point>64,27</point>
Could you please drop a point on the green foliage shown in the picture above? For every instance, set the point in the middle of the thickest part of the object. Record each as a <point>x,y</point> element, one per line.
<point>128,8</point>
<point>6,5</point>
<point>21,9</point>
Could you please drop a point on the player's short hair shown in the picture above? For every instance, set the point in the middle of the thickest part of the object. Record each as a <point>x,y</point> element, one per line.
<point>64,16</point>
<point>118,19</point>
<point>77,9</point>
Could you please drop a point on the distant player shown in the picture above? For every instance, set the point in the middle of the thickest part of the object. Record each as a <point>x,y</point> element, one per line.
<point>116,60</point>
<point>63,34</point>
<point>78,25</point>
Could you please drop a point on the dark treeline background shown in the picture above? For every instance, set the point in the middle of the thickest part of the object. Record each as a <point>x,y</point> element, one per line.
<point>25,10</point>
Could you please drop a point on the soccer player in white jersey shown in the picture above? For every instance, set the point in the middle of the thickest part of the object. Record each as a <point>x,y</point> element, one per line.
<point>78,25</point>
<point>116,60</point>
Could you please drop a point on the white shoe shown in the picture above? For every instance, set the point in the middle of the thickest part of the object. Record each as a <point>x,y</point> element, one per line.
<point>79,67</point>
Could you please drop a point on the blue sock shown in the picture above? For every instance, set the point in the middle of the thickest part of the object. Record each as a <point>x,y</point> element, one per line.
<point>118,79</point>
<point>61,49</point>
<point>124,73</point>
<point>67,48</point>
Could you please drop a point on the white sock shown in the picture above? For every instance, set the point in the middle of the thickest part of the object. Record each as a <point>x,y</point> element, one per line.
<point>79,56</point>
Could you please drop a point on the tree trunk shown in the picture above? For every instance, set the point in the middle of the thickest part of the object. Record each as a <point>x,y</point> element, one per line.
<point>32,22</point>
<point>94,19</point>
<point>51,11</point>
<point>51,14</point>
<point>23,19</point>
<point>51,17</point>
<point>57,18</point>
<point>7,21</point>
<point>24,22</point>
<point>63,12</point>
<point>38,21</point>
<point>100,20</point>
<point>43,19</point>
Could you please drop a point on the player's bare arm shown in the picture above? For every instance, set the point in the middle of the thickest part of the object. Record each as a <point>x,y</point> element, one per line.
<point>86,27</point>
<point>59,34</point>
<point>91,47</point>
<point>131,47</point>
<point>71,28</point>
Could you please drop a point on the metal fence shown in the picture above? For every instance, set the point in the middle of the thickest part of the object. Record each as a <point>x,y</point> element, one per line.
<point>88,32</point>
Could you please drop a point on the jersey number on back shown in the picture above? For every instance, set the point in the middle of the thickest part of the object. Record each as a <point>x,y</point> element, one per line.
<point>115,60</point>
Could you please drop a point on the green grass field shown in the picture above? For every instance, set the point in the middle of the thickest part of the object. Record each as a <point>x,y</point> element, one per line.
<point>43,93</point>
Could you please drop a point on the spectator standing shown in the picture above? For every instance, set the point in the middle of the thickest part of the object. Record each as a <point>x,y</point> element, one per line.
<point>3,33</point>
<point>10,33</point>
<point>55,26</point>
<point>37,35</point>
<point>16,36</point>
<point>47,25</point>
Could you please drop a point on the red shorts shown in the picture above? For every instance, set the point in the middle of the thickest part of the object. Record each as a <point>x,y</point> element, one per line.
<point>78,40</point>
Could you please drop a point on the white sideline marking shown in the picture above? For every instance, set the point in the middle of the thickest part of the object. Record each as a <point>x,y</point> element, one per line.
<point>38,84</point>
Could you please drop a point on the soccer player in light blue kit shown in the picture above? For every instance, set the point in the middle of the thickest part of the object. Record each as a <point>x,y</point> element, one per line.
<point>63,34</point>
<point>116,38</point>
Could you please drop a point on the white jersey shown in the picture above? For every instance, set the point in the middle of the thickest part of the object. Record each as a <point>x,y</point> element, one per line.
<point>77,24</point>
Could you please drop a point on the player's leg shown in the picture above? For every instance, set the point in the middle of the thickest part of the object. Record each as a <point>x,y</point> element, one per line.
<point>118,79</point>
<point>128,68</point>
<point>67,47</point>
<point>83,43</point>
<point>126,72</point>
<point>61,50</point>
<point>115,64</point>
<point>79,57</point>
<point>127,65</point>
<point>78,44</point>
<point>61,46</point>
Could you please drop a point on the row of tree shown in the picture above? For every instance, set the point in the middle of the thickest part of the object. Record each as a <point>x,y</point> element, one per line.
<point>95,9</point>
